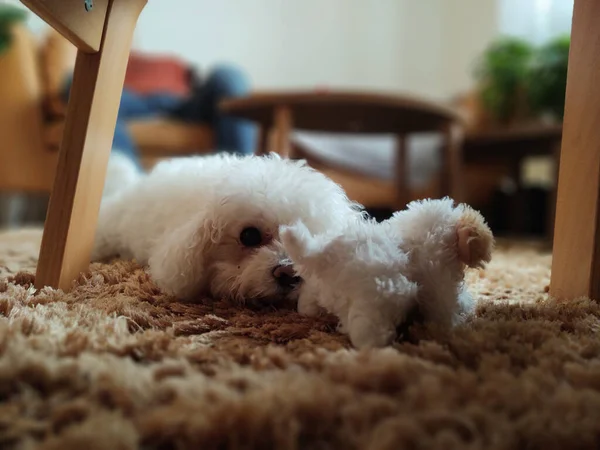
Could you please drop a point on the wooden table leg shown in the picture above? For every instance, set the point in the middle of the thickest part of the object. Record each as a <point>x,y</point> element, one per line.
<point>452,164</point>
<point>401,173</point>
<point>576,249</point>
<point>516,221</point>
<point>89,129</point>
<point>263,141</point>
<point>282,123</point>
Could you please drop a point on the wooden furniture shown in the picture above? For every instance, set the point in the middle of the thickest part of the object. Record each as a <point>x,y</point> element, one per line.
<point>576,250</point>
<point>509,146</point>
<point>103,34</point>
<point>278,113</point>
<point>32,115</point>
<point>25,163</point>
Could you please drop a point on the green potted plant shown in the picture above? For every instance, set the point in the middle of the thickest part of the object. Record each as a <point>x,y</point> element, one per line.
<point>501,73</point>
<point>9,16</point>
<point>548,78</point>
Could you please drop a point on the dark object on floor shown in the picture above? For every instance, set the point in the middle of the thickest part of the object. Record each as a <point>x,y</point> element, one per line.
<point>23,209</point>
<point>525,210</point>
<point>380,214</point>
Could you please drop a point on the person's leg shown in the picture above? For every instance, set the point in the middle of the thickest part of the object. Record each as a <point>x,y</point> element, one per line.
<point>123,142</point>
<point>232,134</point>
<point>134,106</point>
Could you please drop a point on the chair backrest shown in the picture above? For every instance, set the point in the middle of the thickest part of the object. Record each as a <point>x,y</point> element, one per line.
<point>24,162</point>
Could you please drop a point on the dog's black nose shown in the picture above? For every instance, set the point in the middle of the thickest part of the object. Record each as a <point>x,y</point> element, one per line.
<point>285,276</point>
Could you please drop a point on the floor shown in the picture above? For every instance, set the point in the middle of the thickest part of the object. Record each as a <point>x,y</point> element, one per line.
<point>120,365</point>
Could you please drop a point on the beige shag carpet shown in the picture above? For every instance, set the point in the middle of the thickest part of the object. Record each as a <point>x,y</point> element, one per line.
<point>115,364</point>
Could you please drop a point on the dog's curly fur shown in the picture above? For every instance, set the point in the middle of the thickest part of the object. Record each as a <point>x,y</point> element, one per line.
<point>184,221</point>
<point>374,275</point>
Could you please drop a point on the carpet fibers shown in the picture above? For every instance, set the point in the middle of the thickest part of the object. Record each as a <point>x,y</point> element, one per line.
<point>115,364</point>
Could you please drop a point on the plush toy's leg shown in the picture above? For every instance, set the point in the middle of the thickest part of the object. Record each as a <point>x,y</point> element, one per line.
<point>576,249</point>
<point>308,302</point>
<point>369,325</point>
<point>90,124</point>
<point>369,331</point>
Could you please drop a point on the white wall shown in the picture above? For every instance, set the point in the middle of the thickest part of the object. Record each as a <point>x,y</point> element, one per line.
<point>402,45</point>
<point>424,47</point>
<point>535,20</point>
<point>469,26</point>
<point>283,43</point>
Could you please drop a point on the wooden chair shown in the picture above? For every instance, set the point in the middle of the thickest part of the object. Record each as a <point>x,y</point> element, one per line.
<point>102,31</point>
<point>576,250</point>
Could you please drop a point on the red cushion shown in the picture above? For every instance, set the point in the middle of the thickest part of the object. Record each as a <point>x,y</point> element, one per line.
<point>149,74</point>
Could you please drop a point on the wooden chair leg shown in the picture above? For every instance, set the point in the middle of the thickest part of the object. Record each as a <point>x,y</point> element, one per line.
<point>94,101</point>
<point>576,249</point>
<point>81,22</point>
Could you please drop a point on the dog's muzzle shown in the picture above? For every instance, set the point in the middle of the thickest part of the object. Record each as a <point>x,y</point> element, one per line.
<point>285,276</point>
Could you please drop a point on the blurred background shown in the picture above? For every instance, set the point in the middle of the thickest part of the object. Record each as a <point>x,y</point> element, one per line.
<point>500,63</point>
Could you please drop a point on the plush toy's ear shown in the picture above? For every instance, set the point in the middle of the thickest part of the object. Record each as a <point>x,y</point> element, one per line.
<point>297,241</point>
<point>475,239</point>
<point>177,261</point>
<point>309,254</point>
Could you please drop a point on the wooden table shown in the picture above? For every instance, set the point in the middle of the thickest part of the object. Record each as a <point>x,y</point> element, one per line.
<point>278,113</point>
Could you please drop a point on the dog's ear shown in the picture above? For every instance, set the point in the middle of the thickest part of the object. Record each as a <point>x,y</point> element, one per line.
<point>475,239</point>
<point>177,262</point>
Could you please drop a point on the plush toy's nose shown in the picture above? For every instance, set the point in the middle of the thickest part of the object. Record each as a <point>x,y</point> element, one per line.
<point>285,276</point>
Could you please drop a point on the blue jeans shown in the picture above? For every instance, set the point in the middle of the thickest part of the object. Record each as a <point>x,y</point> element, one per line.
<point>232,134</point>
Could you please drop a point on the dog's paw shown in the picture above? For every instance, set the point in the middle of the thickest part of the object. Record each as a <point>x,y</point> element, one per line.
<point>475,239</point>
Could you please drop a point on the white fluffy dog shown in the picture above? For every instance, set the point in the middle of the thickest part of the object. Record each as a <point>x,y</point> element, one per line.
<point>373,275</point>
<point>210,225</point>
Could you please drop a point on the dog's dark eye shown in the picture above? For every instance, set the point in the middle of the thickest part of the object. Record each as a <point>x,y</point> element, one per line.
<point>251,237</point>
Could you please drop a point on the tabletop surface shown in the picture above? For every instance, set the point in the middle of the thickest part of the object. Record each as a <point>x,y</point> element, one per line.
<point>345,111</point>
<point>517,132</point>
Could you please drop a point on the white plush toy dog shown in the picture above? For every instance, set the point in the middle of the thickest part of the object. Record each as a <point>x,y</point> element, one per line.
<point>372,275</point>
<point>210,225</point>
